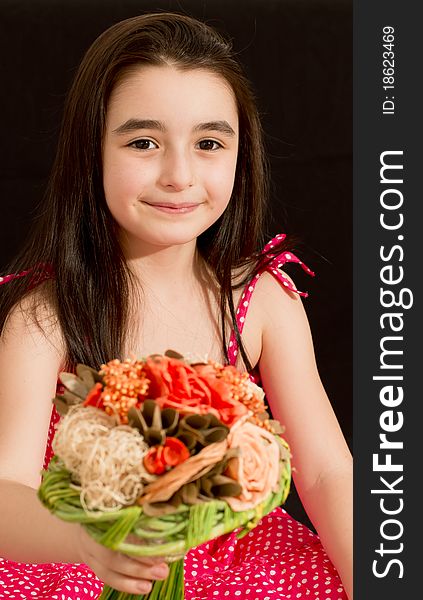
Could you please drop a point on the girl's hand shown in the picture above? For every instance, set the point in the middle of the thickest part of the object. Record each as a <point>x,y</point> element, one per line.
<point>124,573</point>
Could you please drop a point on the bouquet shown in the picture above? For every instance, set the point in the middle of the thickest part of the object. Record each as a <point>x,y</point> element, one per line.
<point>156,456</point>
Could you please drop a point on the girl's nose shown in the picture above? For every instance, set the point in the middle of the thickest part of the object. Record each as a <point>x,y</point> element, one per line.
<point>176,171</point>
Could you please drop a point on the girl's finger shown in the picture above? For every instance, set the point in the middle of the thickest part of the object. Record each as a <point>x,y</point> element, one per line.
<point>146,568</point>
<point>128,567</point>
<point>118,581</point>
<point>147,560</point>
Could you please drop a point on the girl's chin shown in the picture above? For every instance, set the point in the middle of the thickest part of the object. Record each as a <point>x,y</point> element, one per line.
<point>135,245</point>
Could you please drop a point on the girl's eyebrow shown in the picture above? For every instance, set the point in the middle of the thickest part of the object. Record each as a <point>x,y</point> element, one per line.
<point>221,126</point>
<point>136,124</point>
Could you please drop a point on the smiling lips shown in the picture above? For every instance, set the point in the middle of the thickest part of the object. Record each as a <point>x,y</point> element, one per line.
<point>168,207</point>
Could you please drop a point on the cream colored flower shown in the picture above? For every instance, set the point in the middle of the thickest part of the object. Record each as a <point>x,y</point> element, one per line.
<point>257,468</point>
<point>106,461</point>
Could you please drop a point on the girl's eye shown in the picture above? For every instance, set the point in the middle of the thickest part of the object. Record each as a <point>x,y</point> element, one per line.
<point>209,145</point>
<point>143,144</point>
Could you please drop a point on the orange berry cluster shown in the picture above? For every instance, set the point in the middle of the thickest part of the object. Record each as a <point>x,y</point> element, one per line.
<point>125,385</point>
<point>242,392</point>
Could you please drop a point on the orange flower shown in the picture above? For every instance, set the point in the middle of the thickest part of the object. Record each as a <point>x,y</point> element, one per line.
<point>174,452</point>
<point>94,397</point>
<point>226,386</point>
<point>162,458</point>
<point>175,384</point>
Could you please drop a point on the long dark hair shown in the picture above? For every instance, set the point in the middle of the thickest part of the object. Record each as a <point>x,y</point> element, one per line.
<point>75,234</point>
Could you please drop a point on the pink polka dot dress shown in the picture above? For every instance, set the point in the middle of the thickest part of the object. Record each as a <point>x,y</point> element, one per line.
<point>279,559</point>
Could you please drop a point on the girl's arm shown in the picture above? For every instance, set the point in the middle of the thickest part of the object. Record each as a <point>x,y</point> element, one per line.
<point>320,455</point>
<point>29,364</point>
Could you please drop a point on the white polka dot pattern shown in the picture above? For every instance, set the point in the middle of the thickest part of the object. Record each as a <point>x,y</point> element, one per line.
<point>280,558</point>
<point>55,581</point>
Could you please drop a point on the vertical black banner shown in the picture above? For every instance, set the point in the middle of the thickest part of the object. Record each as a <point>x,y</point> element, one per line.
<point>387,288</point>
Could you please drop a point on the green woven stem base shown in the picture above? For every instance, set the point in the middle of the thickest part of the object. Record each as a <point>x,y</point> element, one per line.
<point>170,536</point>
<point>171,588</point>
<point>130,531</point>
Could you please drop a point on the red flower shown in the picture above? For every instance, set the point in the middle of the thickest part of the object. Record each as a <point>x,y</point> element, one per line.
<point>162,458</point>
<point>175,384</point>
<point>224,384</point>
<point>94,398</point>
<point>174,452</point>
<point>153,460</point>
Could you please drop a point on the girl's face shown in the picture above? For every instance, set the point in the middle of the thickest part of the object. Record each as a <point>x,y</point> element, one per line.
<point>169,155</point>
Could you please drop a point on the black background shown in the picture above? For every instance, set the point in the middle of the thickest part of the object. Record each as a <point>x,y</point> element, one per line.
<point>298,55</point>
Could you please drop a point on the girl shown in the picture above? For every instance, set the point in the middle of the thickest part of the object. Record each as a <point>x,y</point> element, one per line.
<point>150,239</point>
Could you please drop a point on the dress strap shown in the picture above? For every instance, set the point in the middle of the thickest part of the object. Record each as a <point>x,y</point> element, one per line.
<point>7,278</point>
<point>277,261</point>
<point>39,274</point>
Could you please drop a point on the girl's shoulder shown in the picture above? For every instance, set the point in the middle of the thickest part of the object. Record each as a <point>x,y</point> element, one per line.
<point>31,357</point>
<point>267,300</point>
<point>33,322</point>
<point>270,308</point>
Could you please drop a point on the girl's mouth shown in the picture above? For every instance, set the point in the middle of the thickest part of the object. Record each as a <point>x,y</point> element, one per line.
<point>173,208</point>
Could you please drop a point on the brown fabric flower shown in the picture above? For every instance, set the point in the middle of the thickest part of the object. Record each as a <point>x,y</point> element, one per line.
<point>153,422</point>
<point>197,431</point>
<point>76,387</point>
